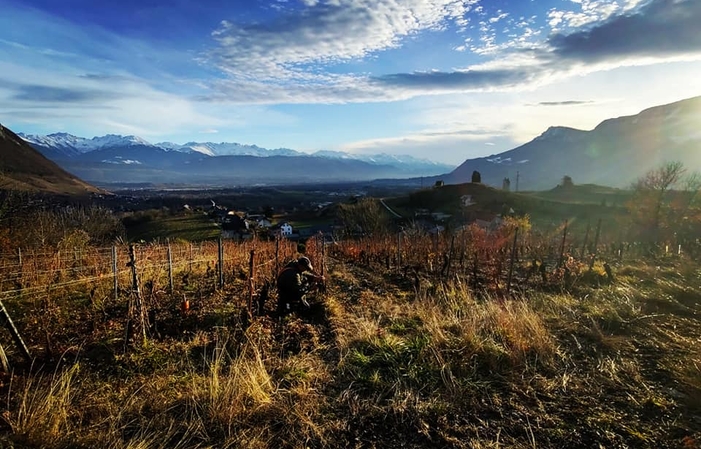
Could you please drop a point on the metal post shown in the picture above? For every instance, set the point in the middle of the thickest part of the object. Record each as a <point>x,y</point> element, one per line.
<point>221,264</point>
<point>511,265</point>
<point>170,269</point>
<point>115,272</point>
<point>7,321</point>
<point>251,274</point>
<point>596,245</point>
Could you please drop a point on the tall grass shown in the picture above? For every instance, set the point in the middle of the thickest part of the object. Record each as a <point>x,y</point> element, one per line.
<point>44,408</point>
<point>232,389</point>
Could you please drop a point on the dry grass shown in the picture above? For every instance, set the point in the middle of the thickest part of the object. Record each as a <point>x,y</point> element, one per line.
<point>44,409</point>
<point>383,365</point>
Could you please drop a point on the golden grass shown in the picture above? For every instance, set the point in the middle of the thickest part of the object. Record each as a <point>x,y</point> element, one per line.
<point>438,367</point>
<point>44,408</point>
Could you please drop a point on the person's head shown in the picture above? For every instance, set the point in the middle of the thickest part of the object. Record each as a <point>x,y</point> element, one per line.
<point>304,264</point>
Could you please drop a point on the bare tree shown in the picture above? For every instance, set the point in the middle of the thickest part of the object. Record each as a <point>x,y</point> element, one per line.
<point>653,188</point>
<point>366,216</point>
<point>664,201</point>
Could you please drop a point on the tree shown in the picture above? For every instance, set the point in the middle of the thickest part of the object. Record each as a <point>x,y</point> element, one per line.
<point>476,177</point>
<point>366,216</point>
<point>268,212</point>
<point>661,199</point>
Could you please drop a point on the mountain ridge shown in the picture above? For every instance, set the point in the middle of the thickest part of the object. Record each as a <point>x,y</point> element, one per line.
<point>24,168</point>
<point>615,153</point>
<point>58,146</point>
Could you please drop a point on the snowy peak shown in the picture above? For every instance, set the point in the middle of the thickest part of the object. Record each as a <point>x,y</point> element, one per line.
<point>405,162</point>
<point>61,146</point>
<point>334,154</point>
<point>228,149</point>
<point>114,140</point>
<point>73,144</point>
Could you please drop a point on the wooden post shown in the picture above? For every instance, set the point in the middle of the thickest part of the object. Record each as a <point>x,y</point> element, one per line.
<point>323,257</point>
<point>450,256</point>
<point>318,244</point>
<point>511,264</point>
<point>586,240</point>
<point>21,271</point>
<point>136,309</point>
<point>170,269</point>
<point>3,360</point>
<point>221,264</point>
<point>277,254</point>
<point>251,274</point>
<point>7,321</point>
<point>562,247</point>
<point>190,257</point>
<point>115,272</point>
<point>596,245</point>
<point>399,250</point>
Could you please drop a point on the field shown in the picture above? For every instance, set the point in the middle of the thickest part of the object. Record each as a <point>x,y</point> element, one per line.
<point>191,227</point>
<point>417,342</point>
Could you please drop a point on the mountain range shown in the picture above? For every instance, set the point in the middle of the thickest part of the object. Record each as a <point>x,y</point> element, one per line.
<point>23,168</point>
<point>128,159</point>
<point>615,153</point>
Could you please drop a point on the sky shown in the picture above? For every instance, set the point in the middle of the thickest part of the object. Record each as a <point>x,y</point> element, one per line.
<point>445,80</point>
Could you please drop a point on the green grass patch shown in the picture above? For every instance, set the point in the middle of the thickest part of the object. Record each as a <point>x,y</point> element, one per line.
<point>182,227</point>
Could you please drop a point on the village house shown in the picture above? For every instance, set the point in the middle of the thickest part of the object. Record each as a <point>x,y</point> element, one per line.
<point>285,230</point>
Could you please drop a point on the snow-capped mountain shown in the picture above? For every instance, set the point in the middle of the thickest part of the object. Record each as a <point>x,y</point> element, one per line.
<point>66,146</point>
<point>72,145</point>
<point>114,158</point>
<point>228,149</point>
<point>404,162</point>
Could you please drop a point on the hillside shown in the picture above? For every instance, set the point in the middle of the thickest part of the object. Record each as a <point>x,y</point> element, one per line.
<point>24,168</point>
<point>615,153</point>
<point>383,358</point>
<point>580,206</point>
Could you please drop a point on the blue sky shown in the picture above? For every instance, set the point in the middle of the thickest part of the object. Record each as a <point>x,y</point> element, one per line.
<point>441,79</point>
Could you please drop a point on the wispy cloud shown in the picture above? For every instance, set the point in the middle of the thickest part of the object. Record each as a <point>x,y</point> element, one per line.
<point>51,94</point>
<point>287,60</point>
<point>324,33</point>
<point>463,80</point>
<point>564,103</point>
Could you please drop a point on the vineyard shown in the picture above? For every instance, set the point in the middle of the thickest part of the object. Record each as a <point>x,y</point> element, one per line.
<point>476,338</point>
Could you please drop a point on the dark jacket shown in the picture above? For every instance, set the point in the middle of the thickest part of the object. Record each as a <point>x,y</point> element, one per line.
<point>289,285</point>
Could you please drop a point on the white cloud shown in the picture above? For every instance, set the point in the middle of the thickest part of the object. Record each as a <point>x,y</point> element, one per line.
<point>286,59</point>
<point>290,59</point>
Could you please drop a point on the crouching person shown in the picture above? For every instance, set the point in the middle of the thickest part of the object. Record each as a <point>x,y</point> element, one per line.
<point>291,285</point>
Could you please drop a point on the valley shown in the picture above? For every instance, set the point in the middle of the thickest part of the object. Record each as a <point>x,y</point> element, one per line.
<point>452,314</point>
